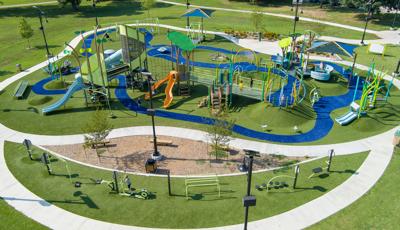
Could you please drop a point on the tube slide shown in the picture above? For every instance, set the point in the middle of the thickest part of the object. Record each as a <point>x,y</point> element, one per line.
<point>76,86</point>
<point>113,59</point>
<point>171,79</point>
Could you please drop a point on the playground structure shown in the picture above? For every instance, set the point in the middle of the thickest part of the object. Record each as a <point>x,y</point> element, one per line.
<point>372,85</point>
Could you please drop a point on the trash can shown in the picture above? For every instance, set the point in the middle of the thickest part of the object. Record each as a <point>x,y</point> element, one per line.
<point>151,166</point>
<point>396,138</point>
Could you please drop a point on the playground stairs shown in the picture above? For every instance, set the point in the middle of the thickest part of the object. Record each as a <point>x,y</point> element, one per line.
<point>184,90</point>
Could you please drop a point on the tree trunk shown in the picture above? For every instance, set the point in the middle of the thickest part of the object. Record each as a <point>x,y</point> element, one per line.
<point>29,44</point>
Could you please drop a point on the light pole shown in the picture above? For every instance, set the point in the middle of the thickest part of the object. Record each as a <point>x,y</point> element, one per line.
<point>94,10</point>
<point>296,16</point>
<point>40,15</point>
<point>367,18</point>
<point>187,18</point>
<point>152,112</point>
<point>249,200</point>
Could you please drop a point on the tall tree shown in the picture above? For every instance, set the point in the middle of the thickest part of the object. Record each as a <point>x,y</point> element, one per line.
<point>25,30</point>
<point>148,4</point>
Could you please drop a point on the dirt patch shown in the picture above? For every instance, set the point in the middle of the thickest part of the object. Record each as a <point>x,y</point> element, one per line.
<point>183,157</point>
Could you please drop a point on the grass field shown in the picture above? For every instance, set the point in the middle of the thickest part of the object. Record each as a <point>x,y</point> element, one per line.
<point>109,13</point>
<point>203,209</point>
<point>11,218</point>
<point>378,209</point>
<point>16,2</point>
<point>341,15</point>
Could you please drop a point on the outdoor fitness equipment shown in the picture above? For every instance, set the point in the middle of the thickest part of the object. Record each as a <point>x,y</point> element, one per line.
<point>118,186</point>
<point>319,170</point>
<point>272,183</point>
<point>28,144</point>
<point>202,182</point>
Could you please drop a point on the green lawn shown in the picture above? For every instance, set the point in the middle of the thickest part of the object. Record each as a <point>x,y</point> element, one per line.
<point>387,63</point>
<point>341,15</point>
<point>378,209</point>
<point>204,210</point>
<point>63,22</point>
<point>11,218</point>
<point>16,2</point>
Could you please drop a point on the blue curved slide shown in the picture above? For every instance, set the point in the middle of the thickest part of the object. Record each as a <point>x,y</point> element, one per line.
<point>76,86</point>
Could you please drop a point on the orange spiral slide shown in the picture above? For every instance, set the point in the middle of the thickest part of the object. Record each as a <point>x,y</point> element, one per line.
<point>171,79</point>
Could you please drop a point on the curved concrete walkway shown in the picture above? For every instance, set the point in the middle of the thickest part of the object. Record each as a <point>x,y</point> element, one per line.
<point>316,210</point>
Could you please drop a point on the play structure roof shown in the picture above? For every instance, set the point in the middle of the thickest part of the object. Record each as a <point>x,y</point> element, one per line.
<point>181,40</point>
<point>283,43</point>
<point>332,47</point>
<point>199,13</point>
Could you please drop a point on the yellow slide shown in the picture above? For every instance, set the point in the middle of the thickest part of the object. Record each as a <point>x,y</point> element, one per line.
<point>171,78</point>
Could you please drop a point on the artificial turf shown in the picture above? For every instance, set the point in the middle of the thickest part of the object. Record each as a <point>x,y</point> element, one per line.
<point>12,219</point>
<point>377,209</point>
<point>203,209</point>
<point>342,15</point>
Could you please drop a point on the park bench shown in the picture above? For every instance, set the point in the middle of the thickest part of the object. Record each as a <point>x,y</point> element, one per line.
<point>20,89</point>
<point>162,142</point>
<point>100,143</point>
<point>202,182</point>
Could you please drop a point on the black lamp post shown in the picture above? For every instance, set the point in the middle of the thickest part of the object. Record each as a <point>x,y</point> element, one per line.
<point>41,15</point>
<point>367,18</point>
<point>296,15</point>
<point>94,9</point>
<point>151,112</point>
<point>187,18</point>
<point>249,200</point>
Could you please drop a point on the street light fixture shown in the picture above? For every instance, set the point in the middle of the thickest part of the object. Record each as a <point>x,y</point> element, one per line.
<point>249,200</point>
<point>41,14</point>
<point>151,112</point>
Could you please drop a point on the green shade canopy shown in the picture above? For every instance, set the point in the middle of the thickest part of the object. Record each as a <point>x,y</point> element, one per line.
<point>181,40</point>
<point>285,42</point>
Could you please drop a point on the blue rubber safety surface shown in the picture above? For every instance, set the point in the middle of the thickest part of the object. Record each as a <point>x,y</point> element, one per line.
<point>39,89</point>
<point>323,107</point>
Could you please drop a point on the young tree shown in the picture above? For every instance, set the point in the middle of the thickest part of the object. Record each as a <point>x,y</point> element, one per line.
<point>148,4</point>
<point>25,30</point>
<point>97,129</point>
<point>220,134</point>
